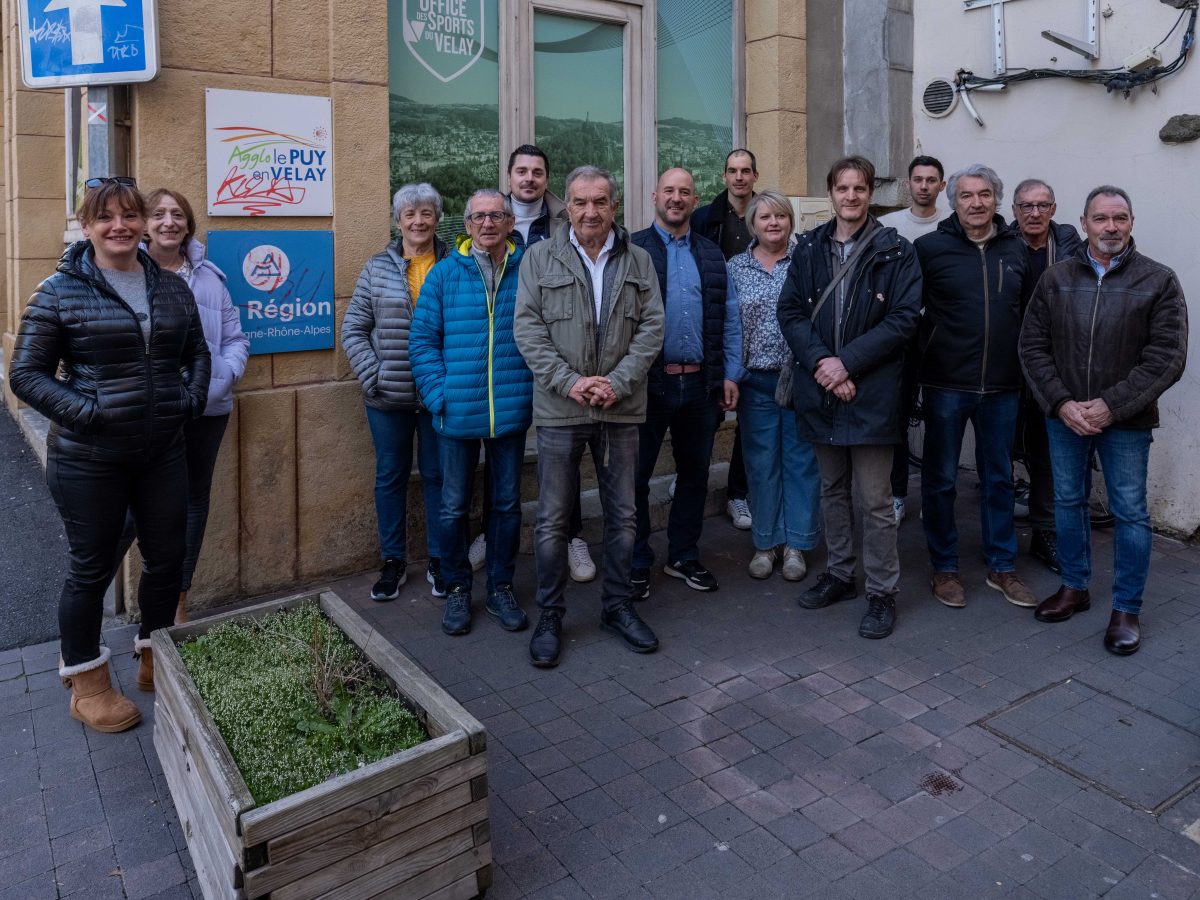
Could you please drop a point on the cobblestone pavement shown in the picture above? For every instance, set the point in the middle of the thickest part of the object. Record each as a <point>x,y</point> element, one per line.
<point>764,751</point>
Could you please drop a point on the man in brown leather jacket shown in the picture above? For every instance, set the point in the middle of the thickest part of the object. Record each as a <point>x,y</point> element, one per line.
<point>1104,336</point>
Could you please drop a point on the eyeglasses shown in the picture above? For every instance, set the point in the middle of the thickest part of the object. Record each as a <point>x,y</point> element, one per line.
<point>1030,207</point>
<point>480,217</point>
<point>115,179</point>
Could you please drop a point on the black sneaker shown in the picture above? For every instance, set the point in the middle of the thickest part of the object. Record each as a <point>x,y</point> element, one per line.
<point>828,589</point>
<point>1044,546</point>
<point>880,618</point>
<point>625,621</point>
<point>391,576</point>
<point>544,646</point>
<point>639,580</point>
<point>457,619</point>
<point>695,575</point>
<point>433,574</point>
<point>503,607</point>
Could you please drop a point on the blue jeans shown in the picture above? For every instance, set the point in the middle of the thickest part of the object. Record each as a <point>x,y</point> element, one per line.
<point>685,407</point>
<point>1124,455</point>
<point>994,418</point>
<point>392,432</point>
<point>460,458</point>
<point>614,451</point>
<point>785,483</point>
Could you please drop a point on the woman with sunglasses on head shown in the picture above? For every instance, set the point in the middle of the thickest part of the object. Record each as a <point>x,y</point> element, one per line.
<point>127,339</point>
<point>171,242</point>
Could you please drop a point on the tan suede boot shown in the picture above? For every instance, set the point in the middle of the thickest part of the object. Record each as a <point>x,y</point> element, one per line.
<point>181,615</point>
<point>94,700</point>
<point>145,657</point>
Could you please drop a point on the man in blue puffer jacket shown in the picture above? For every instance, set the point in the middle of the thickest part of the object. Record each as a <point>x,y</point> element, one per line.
<point>474,381</point>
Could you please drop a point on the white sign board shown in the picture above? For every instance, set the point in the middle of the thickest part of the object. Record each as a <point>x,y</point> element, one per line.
<point>268,154</point>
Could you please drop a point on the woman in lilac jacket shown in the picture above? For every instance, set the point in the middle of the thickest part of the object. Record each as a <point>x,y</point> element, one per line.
<point>170,241</point>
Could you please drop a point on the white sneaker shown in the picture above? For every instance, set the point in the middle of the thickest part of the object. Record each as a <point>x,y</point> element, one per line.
<point>671,487</point>
<point>739,512</point>
<point>477,555</point>
<point>762,563</point>
<point>580,561</point>
<point>898,509</point>
<point>794,566</point>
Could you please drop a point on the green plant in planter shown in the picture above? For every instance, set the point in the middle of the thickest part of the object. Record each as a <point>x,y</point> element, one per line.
<point>295,701</point>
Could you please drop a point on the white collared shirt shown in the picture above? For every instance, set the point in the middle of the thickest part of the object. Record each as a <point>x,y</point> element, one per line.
<point>595,269</point>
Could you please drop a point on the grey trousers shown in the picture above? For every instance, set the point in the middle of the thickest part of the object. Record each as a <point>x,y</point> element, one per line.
<point>862,475</point>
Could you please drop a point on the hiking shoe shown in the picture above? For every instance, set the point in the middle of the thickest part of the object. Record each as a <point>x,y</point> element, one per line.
<point>828,589</point>
<point>579,560</point>
<point>1013,588</point>
<point>639,580</point>
<point>433,574</point>
<point>391,576</point>
<point>457,618</point>
<point>625,621</point>
<point>948,588</point>
<point>898,509</point>
<point>762,563</point>
<point>739,513</point>
<point>545,644</point>
<point>503,607</point>
<point>693,574</point>
<point>880,617</point>
<point>794,566</point>
<point>1043,546</point>
<point>477,553</point>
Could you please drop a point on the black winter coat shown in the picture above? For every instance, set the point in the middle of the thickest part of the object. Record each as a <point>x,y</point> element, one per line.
<point>972,320</point>
<point>115,399</point>
<point>883,303</point>
<point>714,284</point>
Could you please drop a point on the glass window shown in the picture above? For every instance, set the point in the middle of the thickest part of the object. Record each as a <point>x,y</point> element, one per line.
<point>695,89</point>
<point>578,69</point>
<point>444,107</point>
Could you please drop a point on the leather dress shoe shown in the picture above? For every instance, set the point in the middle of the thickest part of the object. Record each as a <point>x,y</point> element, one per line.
<point>546,643</point>
<point>1124,634</point>
<point>623,620</point>
<point>1062,604</point>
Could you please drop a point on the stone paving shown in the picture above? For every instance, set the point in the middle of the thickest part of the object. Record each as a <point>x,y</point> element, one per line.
<point>764,751</point>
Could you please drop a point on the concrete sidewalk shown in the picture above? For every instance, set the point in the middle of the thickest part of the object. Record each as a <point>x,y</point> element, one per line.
<point>764,751</point>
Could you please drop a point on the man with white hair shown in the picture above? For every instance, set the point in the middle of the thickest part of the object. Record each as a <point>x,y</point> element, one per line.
<point>975,271</point>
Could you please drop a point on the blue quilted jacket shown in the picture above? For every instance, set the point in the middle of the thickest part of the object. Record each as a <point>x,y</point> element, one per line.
<point>470,374</point>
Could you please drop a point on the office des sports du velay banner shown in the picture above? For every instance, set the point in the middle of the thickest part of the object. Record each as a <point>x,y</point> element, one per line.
<point>282,285</point>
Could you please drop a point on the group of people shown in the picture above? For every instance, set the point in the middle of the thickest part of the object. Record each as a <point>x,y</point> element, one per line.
<point>547,312</point>
<point>131,349</point>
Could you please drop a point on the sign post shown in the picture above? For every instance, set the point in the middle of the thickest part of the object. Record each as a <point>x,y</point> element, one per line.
<point>87,42</point>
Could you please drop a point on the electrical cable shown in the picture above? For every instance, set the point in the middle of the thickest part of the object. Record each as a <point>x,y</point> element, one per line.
<point>1112,79</point>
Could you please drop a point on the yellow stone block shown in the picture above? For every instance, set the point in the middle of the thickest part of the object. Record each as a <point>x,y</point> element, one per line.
<point>257,376</point>
<point>38,234</point>
<point>38,164</point>
<point>216,577</point>
<point>775,75</point>
<point>780,140</point>
<point>335,468</point>
<point>267,490</point>
<point>361,200</point>
<point>38,112</point>
<point>358,41</point>
<point>300,39</point>
<point>303,367</point>
<point>220,36</point>
<point>341,365</point>
<point>769,18</point>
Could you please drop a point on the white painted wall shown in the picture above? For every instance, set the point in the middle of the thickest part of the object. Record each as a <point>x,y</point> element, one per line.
<point>1075,136</point>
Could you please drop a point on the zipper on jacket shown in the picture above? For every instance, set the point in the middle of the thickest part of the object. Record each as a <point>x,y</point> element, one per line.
<point>987,320</point>
<point>1092,332</point>
<point>147,367</point>
<point>491,311</point>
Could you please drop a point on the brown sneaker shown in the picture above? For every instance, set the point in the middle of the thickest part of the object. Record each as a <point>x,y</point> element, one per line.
<point>1013,588</point>
<point>948,588</point>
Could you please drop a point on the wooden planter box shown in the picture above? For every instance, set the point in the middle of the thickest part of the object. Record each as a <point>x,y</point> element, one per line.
<point>413,825</point>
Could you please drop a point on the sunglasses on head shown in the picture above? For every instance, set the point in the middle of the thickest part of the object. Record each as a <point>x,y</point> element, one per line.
<point>115,179</point>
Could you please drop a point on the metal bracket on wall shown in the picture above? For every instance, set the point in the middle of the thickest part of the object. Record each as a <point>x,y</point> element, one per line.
<point>1088,48</point>
<point>999,57</point>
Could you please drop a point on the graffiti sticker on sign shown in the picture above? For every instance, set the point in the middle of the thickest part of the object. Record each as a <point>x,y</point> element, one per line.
<point>446,36</point>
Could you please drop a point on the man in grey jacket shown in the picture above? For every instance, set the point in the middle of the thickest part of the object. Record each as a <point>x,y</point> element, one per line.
<point>589,322</point>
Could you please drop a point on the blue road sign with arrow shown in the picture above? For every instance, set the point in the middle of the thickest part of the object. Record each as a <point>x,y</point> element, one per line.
<point>69,42</point>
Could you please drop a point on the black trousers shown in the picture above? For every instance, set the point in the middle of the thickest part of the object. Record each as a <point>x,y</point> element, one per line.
<point>92,496</point>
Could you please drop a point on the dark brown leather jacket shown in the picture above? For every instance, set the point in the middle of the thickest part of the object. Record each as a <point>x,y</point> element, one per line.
<point>1122,338</point>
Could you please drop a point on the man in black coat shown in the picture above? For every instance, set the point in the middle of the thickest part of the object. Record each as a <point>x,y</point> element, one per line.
<point>1046,242</point>
<point>849,345</point>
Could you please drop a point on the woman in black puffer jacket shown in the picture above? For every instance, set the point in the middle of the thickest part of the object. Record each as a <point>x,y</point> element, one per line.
<point>134,365</point>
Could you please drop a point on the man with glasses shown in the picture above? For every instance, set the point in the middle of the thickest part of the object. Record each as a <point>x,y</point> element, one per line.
<point>474,382</point>
<point>1046,242</point>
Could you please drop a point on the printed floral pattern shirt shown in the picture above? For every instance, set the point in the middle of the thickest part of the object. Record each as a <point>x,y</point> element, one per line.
<point>758,290</point>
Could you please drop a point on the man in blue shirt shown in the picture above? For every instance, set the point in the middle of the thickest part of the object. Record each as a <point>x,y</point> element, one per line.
<point>693,380</point>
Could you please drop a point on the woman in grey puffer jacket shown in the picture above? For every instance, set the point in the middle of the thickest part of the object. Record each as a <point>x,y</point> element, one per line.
<point>375,337</point>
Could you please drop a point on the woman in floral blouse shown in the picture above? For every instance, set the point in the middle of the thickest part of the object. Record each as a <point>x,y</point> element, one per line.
<point>785,485</point>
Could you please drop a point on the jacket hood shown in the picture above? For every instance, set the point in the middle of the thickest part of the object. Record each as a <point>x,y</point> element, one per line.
<point>462,244</point>
<point>952,225</point>
<point>197,256</point>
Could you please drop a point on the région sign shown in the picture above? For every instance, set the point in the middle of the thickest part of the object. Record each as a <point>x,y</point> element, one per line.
<point>445,36</point>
